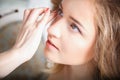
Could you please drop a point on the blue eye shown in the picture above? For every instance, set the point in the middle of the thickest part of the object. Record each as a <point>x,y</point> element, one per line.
<point>75,28</point>
<point>60,12</point>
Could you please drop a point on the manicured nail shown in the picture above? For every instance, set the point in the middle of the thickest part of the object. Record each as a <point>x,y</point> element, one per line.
<point>55,11</point>
<point>46,9</point>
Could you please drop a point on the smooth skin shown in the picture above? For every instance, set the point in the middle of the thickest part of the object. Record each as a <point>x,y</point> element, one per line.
<point>71,40</point>
<point>74,41</point>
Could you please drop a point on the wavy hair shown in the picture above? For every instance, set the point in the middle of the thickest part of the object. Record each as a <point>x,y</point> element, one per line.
<point>108,40</point>
<point>107,48</point>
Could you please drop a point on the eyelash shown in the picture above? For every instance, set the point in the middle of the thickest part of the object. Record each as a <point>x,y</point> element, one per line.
<point>60,12</point>
<point>73,26</point>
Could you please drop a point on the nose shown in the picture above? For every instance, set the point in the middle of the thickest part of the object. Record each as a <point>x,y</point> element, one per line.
<point>55,30</point>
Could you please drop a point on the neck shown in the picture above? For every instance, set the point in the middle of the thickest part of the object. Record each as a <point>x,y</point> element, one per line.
<point>81,72</point>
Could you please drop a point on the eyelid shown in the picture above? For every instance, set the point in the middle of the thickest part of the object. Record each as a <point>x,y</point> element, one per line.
<point>73,24</point>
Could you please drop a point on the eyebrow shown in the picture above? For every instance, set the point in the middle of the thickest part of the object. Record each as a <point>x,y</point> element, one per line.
<point>60,6</point>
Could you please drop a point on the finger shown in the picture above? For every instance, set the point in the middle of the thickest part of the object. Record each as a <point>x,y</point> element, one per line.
<point>35,14</point>
<point>52,16</point>
<point>26,13</point>
<point>44,19</point>
<point>41,24</point>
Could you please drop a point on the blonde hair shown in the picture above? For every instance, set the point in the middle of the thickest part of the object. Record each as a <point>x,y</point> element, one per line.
<point>107,48</point>
<point>108,42</point>
<point>56,3</point>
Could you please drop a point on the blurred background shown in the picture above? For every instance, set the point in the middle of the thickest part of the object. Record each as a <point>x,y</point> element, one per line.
<point>11,15</point>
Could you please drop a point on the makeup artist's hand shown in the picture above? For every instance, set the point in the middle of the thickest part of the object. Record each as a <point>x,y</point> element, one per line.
<point>30,34</point>
<point>27,41</point>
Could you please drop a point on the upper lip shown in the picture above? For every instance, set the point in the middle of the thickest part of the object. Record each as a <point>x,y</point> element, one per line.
<point>53,44</point>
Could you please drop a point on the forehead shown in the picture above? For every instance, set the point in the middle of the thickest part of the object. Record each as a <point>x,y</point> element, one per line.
<point>82,10</point>
<point>78,2</point>
<point>78,5</point>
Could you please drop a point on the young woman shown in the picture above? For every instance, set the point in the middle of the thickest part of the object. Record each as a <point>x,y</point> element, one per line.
<point>83,41</point>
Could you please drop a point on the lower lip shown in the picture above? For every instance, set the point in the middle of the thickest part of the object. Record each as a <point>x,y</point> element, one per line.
<point>50,46</point>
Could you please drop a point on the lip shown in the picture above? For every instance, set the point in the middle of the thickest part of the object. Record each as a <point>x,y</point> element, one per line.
<point>50,45</point>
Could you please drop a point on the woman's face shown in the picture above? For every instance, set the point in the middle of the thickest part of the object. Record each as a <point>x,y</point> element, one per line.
<point>71,37</point>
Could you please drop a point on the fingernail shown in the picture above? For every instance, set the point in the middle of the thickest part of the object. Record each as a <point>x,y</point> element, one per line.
<point>55,11</point>
<point>46,9</point>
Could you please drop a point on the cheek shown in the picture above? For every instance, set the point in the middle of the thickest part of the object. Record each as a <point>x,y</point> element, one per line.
<point>77,52</point>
